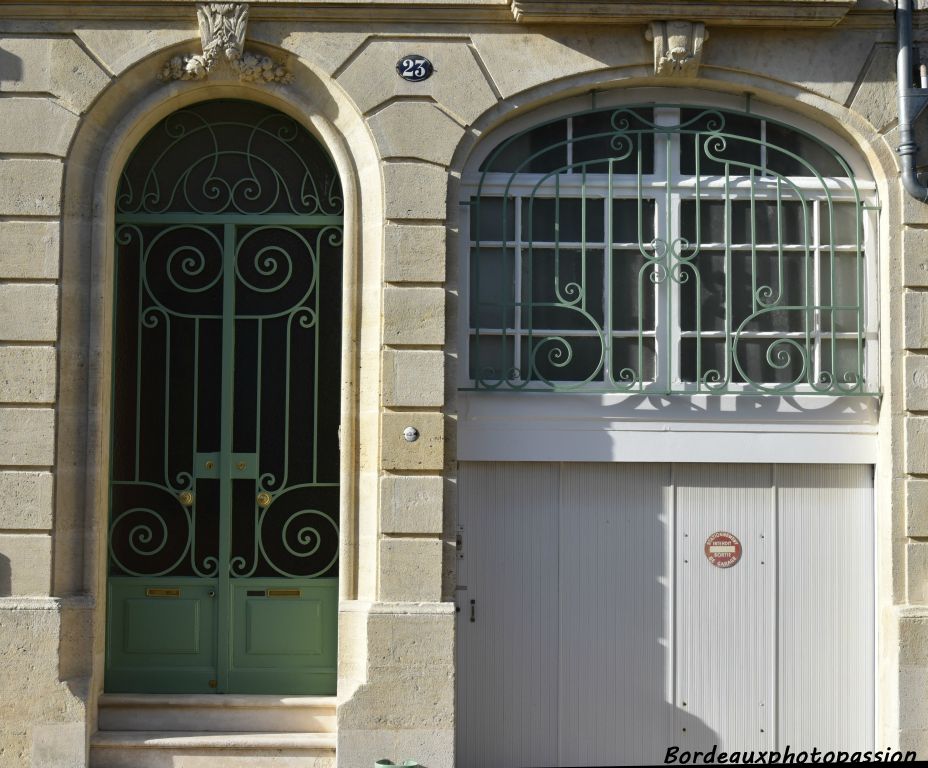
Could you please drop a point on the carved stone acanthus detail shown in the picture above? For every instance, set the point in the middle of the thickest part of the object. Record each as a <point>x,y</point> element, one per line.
<point>222,36</point>
<point>677,47</point>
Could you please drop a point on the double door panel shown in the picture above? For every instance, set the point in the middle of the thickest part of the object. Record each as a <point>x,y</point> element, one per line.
<point>594,630</point>
<point>223,533</point>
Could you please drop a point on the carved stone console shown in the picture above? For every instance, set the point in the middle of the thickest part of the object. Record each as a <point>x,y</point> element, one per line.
<point>677,47</point>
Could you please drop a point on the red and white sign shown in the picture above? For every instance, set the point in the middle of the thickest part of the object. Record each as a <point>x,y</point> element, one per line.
<point>723,550</point>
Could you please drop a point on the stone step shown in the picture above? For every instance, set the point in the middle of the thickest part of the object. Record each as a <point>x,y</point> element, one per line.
<point>185,749</point>
<point>208,713</point>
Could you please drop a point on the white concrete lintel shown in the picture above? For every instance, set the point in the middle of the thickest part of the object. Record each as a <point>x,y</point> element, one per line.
<point>730,428</point>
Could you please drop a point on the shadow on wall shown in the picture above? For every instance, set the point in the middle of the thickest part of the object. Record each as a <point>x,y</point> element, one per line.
<point>11,67</point>
<point>6,577</point>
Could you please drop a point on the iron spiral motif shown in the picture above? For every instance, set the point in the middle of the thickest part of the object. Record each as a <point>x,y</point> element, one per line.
<point>227,331</point>
<point>252,160</point>
<point>668,249</point>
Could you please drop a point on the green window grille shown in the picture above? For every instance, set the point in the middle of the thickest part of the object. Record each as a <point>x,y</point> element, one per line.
<point>663,249</point>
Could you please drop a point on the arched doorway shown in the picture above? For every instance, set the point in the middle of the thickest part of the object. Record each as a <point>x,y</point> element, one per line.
<point>224,494</point>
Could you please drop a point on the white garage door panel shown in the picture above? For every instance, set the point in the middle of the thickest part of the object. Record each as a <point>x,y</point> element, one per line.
<point>615,575</point>
<point>601,631</point>
<point>825,538</point>
<point>508,656</point>
<point>723,649</point>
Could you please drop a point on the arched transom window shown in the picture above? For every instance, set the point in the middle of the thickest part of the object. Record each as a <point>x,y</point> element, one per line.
<point>669,249</point>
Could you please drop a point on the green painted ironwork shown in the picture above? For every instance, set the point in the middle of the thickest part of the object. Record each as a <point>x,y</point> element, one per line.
<point>407,763</point>
<point>662,249</point>
<point>224,470</point>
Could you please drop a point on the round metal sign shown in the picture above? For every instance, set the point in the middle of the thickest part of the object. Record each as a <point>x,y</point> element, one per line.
<point>723,550</point>
<point>414,68</point>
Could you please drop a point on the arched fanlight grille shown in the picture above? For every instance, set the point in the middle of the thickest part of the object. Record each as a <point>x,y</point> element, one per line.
<point>253,160</point>
<point>668,249</point>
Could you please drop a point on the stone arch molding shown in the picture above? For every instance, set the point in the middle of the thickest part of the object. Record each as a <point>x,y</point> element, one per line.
<point>863,137</point>
<point>223,27</point>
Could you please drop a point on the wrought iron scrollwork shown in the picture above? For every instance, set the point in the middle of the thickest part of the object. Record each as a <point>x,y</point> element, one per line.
<point>254,160</point>
<point>668,249</point>
<point>295,534</point>
<point>228,290</point>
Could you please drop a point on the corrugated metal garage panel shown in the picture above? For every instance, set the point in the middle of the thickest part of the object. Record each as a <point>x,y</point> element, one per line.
<point>723,647</point>
<point>826,627</point>
<point>508,657</point>
<point>615,624</point>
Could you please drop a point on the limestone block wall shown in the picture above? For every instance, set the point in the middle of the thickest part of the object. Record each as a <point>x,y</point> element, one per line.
<point>69,84</point>
<point>405,708</point>
<point>47,81</point>
<point>910,481</point>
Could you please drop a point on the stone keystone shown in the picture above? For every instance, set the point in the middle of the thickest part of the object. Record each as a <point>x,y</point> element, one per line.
<point>222,37</point>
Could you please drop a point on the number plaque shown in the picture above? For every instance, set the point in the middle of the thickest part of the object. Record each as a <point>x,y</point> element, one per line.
<point>414,68</point>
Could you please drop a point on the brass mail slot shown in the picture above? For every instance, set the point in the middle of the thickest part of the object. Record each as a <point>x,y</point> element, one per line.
<point>283,593</point>
<point>162,593</point>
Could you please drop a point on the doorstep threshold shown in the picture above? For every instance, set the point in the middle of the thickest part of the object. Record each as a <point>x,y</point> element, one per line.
<point>217,700</point>
<point>231,740</point>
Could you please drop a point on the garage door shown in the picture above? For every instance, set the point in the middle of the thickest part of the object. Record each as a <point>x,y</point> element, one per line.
<point>596,626</point>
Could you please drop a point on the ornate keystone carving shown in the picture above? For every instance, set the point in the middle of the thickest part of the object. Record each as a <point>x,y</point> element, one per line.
<point>222,30</point>
<point>677,47</point>
<point>222,36</point>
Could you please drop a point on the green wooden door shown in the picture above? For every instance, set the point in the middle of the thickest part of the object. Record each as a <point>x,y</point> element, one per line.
<point>223,524</point>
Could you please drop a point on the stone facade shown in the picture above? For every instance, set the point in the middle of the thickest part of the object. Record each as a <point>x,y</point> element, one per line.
<point>79,87</point>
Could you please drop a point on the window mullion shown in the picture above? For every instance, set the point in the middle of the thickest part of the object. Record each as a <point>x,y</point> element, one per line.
<point>607,280</point>
<point>868,277</point>
<point>817,290</point>
<point>464,293</point>
<point>729,372</point>
<point>763,148</point>
<point>570,144</point>
<point>667,224</point>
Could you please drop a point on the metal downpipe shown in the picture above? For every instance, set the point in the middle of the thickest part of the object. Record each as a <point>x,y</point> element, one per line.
<point>912,102</point>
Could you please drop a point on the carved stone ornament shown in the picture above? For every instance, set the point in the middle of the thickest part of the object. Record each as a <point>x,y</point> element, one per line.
<point>222,36</point>
<point>677,47</point>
